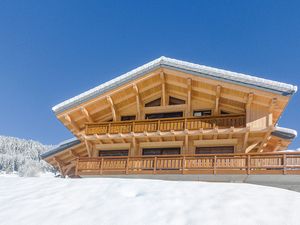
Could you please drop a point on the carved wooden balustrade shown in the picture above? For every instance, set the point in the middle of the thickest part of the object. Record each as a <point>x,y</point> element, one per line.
<point>259,163</point>
<point>152,125</point>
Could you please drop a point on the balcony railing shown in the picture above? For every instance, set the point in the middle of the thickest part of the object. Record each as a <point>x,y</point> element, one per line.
<point>152,125</point>
<point>260,163</point>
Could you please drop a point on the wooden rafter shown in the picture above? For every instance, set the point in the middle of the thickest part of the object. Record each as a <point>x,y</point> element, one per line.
<point>86,114</point>
<point>72,123</point>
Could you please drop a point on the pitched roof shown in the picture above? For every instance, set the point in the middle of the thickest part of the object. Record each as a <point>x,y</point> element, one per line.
<point>195,69</point>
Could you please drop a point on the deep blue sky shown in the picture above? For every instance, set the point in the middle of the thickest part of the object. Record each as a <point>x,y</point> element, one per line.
<point>53,50</point>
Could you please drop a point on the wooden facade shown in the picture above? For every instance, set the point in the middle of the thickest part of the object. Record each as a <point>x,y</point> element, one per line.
<point>171,111</point>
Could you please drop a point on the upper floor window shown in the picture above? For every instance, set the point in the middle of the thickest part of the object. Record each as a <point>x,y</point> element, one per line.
<point>202,113</point>
<point>132,117</point>
<point>155,102</point>
<point>224,112</point>
<point>175,101</point>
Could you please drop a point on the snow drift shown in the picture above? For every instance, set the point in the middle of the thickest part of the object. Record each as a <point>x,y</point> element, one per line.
<point>92,201</point>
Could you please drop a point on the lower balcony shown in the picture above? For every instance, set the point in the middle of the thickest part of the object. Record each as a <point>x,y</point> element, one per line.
<point>175,124</point>
<point>259,163</point>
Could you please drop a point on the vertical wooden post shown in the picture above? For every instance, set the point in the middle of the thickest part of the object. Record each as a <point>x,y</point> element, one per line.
<point>154,165</point>
<point>127,165</point>
<point>284,163</point>
<point>215,164</point>
<point>101,166</point>
<point>76,167</point>
<point>183,164</point>
<point>248,164</point>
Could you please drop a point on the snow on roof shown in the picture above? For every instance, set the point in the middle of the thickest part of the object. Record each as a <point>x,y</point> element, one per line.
<point>195,69</point>
<point>285,133</point>
<point>61,147</point>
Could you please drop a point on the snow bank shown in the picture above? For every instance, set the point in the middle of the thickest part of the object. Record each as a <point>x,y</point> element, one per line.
<point>121,201</point>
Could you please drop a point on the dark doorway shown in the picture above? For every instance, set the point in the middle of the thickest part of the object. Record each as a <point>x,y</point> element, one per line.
<point>163,115</point>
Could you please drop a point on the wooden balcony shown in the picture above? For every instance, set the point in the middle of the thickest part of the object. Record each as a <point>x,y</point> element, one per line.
<point>153,125</point>
<point>259,163</point>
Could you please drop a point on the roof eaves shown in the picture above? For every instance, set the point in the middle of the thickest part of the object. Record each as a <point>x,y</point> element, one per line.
<point>61,147</point>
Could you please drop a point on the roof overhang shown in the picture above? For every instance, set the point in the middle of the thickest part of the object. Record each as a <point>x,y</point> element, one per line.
<point>284,133</point>
<point>61,147</point>
<point>194,69</point>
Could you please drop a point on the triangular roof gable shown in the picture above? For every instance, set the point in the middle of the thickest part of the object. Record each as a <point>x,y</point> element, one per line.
<point>195,69</point>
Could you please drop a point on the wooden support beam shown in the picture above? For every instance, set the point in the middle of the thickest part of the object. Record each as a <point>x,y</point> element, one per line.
<point>248,108</point>
<point>217,100</point>
<point>113,108</point>
<point>163,89</point>
<point>139,105</point>
<point>246,138</point>
<point>273,104</point>
<point>86,114</point>
<point>230,132</point>
<point>72,123</point>
<point>251,147</point>
<point>60,165</point>
<point>186,144</point>
<point>266,138</point>
<point>189,97</point>
<point>88,148</point>
<point>73,154</point>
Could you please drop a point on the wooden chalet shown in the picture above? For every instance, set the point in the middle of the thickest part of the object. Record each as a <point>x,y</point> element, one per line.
<point>174,117</point>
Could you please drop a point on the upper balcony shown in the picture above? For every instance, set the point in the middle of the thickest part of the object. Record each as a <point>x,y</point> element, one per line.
<point>170,124</point>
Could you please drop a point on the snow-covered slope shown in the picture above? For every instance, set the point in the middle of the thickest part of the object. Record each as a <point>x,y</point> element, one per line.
<point>22,156</point>
<point>49,201</point>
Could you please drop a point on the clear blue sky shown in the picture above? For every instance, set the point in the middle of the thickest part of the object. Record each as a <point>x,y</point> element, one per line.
<point>53,50</point>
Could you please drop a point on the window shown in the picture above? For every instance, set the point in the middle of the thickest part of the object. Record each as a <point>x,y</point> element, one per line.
<point>224,112</point>
<point>161,151</point>
<point>215,150</point>
<point>175,101</point>
<point>123,118</point>
<point>202,113</point>
<point>113,153</point>
<point>155,102</point>
<point>163,115</point>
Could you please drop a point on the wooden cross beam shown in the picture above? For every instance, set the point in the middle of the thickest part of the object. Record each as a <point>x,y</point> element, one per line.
<point>113,108</point>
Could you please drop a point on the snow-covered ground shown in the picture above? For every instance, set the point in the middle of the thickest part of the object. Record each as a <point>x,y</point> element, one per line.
<point>48,200</point>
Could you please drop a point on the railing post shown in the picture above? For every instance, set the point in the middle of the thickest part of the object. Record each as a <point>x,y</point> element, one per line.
<point>284,163</point>
<point>127,165</point>
<point>101,166</point>
<point>76,168</point>
<point>183,164</point>
<point>158,125</point>
<point>154,165</point>
<point>248,164</point>
<point>109,128</point>
<point>215,164</point>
